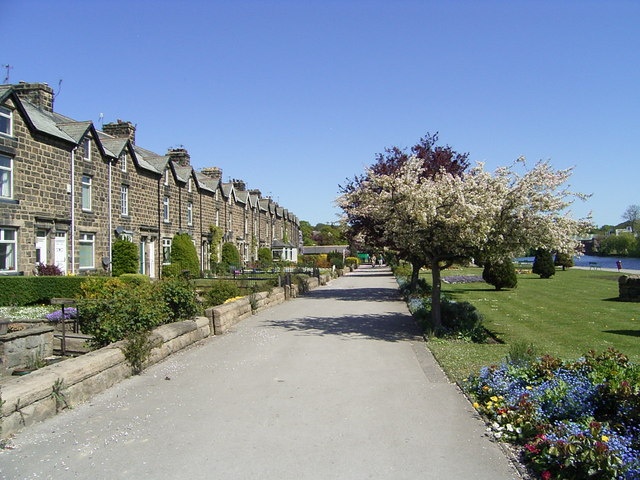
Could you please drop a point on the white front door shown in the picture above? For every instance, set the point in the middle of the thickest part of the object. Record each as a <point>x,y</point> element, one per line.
<point>60,251</point>
<point>143,256</point>
<point>152,258</point>
<point>41,247</point>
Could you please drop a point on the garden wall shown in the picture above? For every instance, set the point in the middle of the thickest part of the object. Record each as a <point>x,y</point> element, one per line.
<point>44,392</point>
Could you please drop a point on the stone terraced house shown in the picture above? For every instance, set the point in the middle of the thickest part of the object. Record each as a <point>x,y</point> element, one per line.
<point>69,190</point>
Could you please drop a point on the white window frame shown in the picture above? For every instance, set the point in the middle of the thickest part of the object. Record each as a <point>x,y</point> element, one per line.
<point>165,210</point>
<point>86,193</point>
<point>87,241</point>
<point>190,185</point>
<point>8,114</point>
<point>166,177</point>
<point>190,213</point>
<point>6,177</point>
<point>86,146</point>
<point>124,200</point>
<point>166,251</point>
<point>123,162</point>
<point>8,249</point>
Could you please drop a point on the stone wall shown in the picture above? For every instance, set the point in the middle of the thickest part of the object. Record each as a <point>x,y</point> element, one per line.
<point>25,348</point>
<point>42,393</point>
<point>629,288</point>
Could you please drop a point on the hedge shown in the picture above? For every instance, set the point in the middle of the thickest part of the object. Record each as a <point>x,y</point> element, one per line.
<point>21,291</point>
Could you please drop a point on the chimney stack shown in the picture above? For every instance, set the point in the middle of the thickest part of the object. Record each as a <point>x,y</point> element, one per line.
<point>212,172</point>
<point>39,94</point>
<point>180,156</point>
<point>121,129</point>
<point>239,184</point>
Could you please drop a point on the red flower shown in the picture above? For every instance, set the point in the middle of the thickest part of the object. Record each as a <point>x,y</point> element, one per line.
<point>546,475</point>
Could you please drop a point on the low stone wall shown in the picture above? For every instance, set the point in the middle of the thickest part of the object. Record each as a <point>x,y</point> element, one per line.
<point>42,393</point>
<point>629,288</point>
<point>25,347</point>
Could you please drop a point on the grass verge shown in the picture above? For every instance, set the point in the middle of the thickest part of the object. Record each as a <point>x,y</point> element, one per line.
<point>566,316</point>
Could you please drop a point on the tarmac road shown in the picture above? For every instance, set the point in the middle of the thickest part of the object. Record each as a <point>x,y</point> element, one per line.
<point>336,384</point>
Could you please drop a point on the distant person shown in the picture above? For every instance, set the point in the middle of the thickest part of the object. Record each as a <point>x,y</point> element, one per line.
<point>619,265</point>
<point>373,261</point>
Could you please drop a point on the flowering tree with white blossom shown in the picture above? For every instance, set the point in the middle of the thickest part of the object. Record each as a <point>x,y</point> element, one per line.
<point>443,218</point>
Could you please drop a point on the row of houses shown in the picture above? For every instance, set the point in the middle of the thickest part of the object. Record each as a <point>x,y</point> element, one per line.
<point>68,190</point>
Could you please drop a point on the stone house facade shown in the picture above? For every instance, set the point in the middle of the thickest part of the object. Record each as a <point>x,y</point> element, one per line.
<point>69,190</point>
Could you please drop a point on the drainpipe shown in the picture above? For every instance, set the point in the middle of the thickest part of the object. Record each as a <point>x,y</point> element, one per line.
<point>73,210</point>
<point>110,236</point>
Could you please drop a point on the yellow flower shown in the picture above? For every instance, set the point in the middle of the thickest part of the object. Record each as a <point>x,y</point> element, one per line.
<point>476,405</point>
<point>494,399</point>
<point>485,388</point>
<point>604,438</point>
<point>529,387</point>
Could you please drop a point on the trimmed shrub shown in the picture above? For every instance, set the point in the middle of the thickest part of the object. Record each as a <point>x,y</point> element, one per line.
<point>501,274</point>
<point>543,264</point>
<point>230,257</point>
<point>111,310</point>
<point>180,297</point>
<point>184,256</point>
<point>221,291</point>
<point>124,257</point>
<point>21,291</point>
<point>265,258</point>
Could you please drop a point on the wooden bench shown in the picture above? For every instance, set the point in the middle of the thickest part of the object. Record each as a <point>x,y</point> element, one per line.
<point>594,266</point>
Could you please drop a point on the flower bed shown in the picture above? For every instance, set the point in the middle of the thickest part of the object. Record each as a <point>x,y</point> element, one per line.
<point>573,420</point>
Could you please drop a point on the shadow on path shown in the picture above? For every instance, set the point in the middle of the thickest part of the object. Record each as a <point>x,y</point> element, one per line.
<point>390,327</point>
<point>373,294</point>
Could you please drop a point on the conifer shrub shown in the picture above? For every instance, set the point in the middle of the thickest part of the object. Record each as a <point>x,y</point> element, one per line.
<point>124,257</point>
<point>184,257</point>
<point>335,259</point>
<point>500,273</point>
<point>230,257</point>
<point>265,258</point>
<point>543,264</point>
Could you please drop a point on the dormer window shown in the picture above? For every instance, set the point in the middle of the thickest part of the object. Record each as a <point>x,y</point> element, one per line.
<point>86,145</point>
<point>166,177</point>
<point>6,121</point>
<point>123,163</point>
<point>190,185</point>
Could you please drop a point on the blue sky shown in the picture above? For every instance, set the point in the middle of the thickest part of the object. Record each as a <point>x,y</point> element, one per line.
<point>296,96</point>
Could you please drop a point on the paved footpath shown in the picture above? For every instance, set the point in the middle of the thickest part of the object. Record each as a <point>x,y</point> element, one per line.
<point>336,384</point>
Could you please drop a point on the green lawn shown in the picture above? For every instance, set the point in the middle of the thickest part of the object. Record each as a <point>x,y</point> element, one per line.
<point>565,316</point>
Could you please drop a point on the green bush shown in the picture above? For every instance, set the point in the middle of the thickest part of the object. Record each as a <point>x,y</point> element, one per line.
<point>111,310</point>
<point>180,297</point>
<point>230,257</point>
<point>335,259</point>
<point>352,262</point>
<point>500,273</point>
<point>184,256</point>
<point>564,260</point>
<point>220,291</point>
<point>265,258</point>
<point>21,291</point>
<point>124,257</point>
<point>543,264</point>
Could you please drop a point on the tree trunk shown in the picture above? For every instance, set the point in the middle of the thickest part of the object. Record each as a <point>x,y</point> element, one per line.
<point>436,317</point>
<point>415,275</point>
